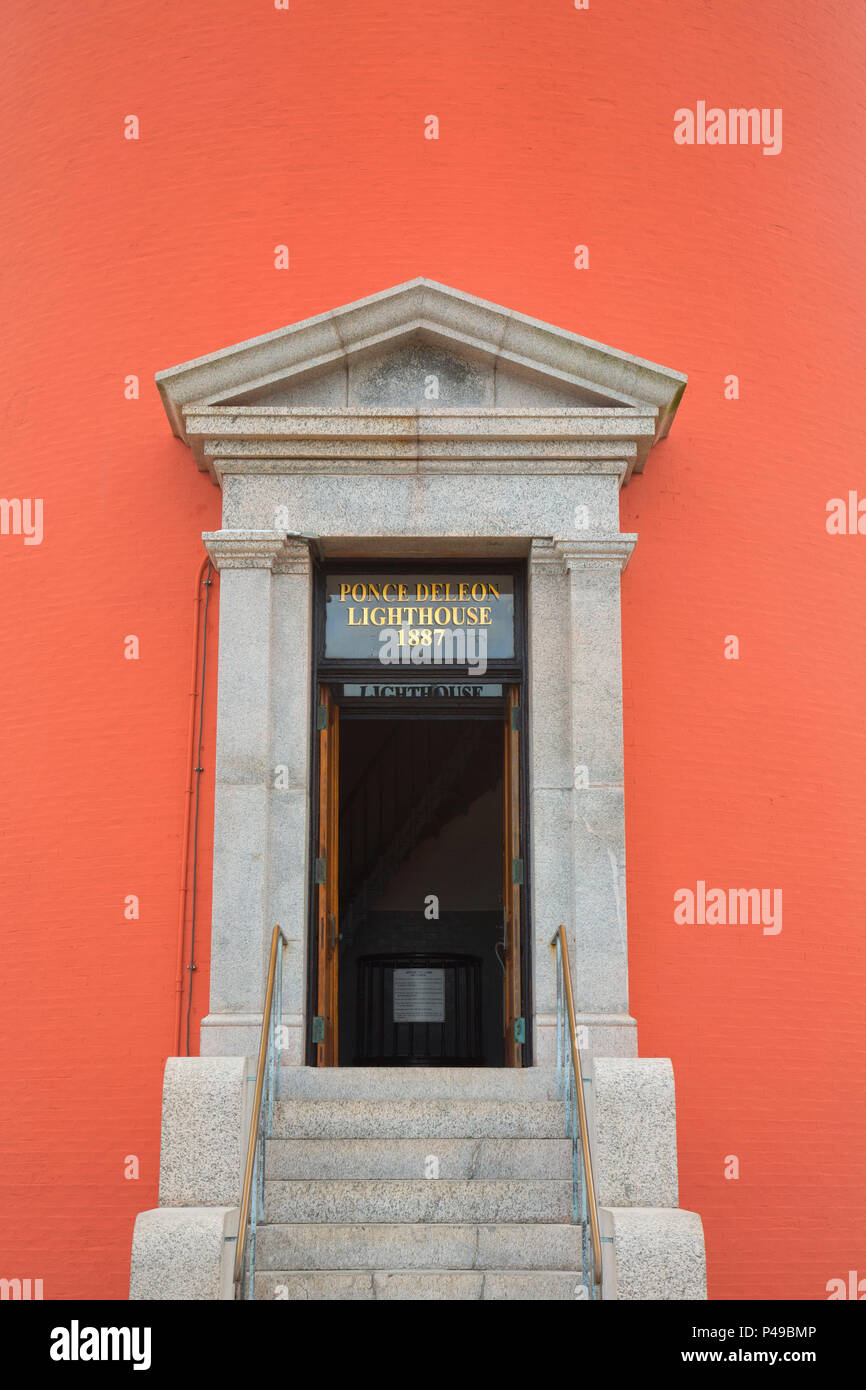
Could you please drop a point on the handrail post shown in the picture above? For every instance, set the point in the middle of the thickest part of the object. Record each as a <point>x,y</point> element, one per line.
<point>559,1023</point>
<point>569,1060</point>
<point>279,1012</point>
<point>252,1204</point>
<point>269,1093</point>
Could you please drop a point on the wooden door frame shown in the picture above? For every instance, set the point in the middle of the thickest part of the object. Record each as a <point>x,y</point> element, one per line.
<point>513,882</point>
<point>333,674</point>
<point>327,881</point>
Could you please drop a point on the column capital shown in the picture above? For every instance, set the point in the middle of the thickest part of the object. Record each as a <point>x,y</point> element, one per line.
<point>255,550</point>
<point>294,557</point>
<point>597,552</point>
<point>545,554</point>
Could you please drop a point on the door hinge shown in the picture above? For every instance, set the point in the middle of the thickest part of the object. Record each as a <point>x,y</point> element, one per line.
<point>515,717</point>
<point>520,1030</point>
<point>318,1029</point>
<point>517,871</point>
<point>320,870</point>
<point>321,716</point>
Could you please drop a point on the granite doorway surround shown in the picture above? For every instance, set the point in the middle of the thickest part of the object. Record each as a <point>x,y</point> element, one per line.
<point>420,424</point>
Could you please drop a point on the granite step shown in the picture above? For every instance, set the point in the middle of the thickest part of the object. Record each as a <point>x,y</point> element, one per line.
<point>336,1200</point>
<point>419,1158</point>
<point>429,1285</point>
<point>417,1083</point>
<point>410,1119</point>
<point>351,1246</point>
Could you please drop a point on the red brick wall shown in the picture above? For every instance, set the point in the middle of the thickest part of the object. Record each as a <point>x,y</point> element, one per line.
<point>261,127</point>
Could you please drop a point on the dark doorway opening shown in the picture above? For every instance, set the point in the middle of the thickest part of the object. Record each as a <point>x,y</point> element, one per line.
<point>421,953</point>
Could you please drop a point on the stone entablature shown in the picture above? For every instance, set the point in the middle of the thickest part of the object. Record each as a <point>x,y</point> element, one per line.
<point>377,440</point>
<point>379,351</point>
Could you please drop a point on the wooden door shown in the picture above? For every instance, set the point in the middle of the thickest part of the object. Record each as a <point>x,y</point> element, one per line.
<point>512,874</point>
<point>325,1024</point>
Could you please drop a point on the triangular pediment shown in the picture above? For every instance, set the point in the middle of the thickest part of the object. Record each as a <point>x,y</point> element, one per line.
<point>423,368</point>
<point>425,346</point>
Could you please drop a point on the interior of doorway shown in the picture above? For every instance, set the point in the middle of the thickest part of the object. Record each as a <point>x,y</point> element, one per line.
<point>422,812</point>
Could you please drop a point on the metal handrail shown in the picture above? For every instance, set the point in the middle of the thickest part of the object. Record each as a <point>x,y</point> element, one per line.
<point>571,1091</point>
<point>262,1117</point>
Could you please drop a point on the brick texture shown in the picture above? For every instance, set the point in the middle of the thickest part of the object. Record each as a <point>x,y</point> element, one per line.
<point>261,127</point>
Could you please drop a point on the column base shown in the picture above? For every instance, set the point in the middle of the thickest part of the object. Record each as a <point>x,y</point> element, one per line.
<point>608,1035</point>
<point>239,1035</point>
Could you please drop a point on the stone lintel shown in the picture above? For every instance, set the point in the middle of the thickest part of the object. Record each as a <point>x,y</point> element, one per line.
<point>288,454</point>
<point>351,465</point>
<point>449,422</point>
<point>423,548</point>
<point>351,440</point>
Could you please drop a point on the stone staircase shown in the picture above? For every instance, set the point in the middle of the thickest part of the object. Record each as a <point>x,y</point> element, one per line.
<point>418,1183</point>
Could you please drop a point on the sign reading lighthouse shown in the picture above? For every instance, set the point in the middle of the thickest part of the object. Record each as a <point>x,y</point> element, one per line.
<point>423,609</point>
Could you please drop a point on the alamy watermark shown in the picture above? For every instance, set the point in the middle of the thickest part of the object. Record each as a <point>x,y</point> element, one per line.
<point>436,646</point>
<point>736,125</point>
<point>22,516</point>
<point>846,516</point>
<point>77,1343</point>
<point>730,907</point>
<point>21,1289</point>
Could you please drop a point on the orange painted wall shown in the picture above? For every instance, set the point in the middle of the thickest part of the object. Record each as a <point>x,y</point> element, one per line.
<point>260,127</point>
